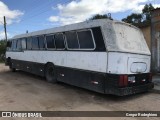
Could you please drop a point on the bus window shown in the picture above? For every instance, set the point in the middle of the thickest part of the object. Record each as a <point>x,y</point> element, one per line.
<point>50,42</point>
<point>85,39</point>
<point>14,45</point>
<point>72,40</point>
<point>35,45</point>
<point>24,44</point>
<point>41,42</point>
<point>9,44</point>
<point>29,43</point>
<point>59,41</point>
<point>19,45</point>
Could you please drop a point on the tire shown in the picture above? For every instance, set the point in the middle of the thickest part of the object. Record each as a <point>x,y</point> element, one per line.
<point>50,73</point>
<point>11,66</point>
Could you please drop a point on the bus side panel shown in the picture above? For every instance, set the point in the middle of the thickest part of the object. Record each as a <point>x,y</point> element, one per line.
<point>80,78</point>
<point>31,67</point>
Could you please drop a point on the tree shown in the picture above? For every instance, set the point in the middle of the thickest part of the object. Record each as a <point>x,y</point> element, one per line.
<point>98,16</point>
<point>146,12</point>
<point>133,19</point>
<point>2,49</point>
<point>142,18</point>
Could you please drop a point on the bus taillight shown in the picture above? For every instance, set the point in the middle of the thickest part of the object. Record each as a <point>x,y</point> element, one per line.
<point>123,80</point>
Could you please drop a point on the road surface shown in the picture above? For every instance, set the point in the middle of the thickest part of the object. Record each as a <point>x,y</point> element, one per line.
<point>20,91</point>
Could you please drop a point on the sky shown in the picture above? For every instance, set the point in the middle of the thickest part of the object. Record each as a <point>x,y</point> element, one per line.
<point>33,15</point>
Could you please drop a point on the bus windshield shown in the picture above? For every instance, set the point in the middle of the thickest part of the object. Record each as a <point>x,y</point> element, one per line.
<point>130,39</point>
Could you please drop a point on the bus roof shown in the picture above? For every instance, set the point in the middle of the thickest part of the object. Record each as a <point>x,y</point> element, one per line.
<point>76,26</point>
<point>119,36</point>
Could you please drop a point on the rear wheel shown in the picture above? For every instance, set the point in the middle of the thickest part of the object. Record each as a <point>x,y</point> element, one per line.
<point>50,73</point>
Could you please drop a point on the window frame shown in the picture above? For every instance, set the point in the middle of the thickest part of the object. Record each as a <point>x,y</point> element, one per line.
<point>92,39</point>
<point>43,42</point>
<point>67,42</point>
<point>20,49</point>
<point>46,42</point>
<point>14,44</point>
<point>38,44</point>
<point>26,43</point>
<point>64,42</point>
<point>9,45</point>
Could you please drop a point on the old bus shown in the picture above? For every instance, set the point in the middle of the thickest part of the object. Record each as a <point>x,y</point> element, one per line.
<point>105,56</point>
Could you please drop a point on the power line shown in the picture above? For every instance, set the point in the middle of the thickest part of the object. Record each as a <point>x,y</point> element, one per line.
<point>37,8</point>
<point>42,12</point>
<point>35,15</point>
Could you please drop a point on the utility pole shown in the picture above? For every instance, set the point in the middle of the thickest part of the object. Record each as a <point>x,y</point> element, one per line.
<point>5,31</point>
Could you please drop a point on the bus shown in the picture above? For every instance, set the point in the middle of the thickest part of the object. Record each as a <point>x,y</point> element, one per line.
<point>105,56</point>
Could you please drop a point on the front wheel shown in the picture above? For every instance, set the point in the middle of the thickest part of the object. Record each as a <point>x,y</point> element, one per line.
<point>11,66</point>
<point>50,73</point>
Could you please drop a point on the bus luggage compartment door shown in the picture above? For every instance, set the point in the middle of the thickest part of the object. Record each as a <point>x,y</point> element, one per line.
<point>138,65</point>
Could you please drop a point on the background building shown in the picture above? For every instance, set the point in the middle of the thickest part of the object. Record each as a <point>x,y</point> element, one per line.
<point>146,29</point>
<point>152,35</point>
<point>155,40</point>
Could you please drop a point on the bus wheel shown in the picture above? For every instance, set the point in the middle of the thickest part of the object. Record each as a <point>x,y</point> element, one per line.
<point>50,73</point>
<point>11,66</point>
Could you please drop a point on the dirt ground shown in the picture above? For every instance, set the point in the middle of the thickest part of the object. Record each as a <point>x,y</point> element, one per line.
<point>20,91</point>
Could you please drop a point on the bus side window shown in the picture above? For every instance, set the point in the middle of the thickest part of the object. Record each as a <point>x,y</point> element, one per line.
<point>24,46</point>
<point>50,42</point>
<point>59,41</point>
<point>35,44</point>
<point>85,39</point>
<point>14,45</point>
<point>29,43</point>
<point>19,45</point>
<point>72,40</point>
<point>41,42</point>
<point>9,44</point>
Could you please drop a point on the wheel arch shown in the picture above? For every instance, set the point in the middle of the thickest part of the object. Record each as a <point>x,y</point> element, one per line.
<point>8,61</point>
<point>45,66</point>
<point>46,72</point>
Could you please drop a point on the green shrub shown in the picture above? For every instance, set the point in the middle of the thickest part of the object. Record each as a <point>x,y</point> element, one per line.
<point>2,50</point>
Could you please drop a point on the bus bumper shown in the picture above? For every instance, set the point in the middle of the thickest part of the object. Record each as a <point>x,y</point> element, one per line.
<point>130,90</point>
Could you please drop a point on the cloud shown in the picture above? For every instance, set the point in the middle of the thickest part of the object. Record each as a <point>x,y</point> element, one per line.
<point>2,35</point>
<point>80,10</point>
<point>11,15</point>
<point>54,18</point>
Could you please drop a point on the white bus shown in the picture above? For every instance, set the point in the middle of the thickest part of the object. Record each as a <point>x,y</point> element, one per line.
<point>105,56</point>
